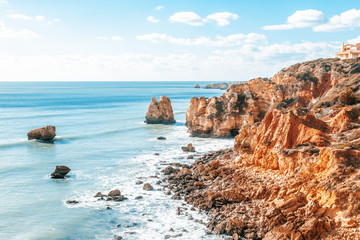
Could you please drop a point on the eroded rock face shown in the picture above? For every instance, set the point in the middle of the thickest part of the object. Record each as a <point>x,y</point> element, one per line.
<point>160,112</point>
<point>45,134</point>
<point>315,83</point>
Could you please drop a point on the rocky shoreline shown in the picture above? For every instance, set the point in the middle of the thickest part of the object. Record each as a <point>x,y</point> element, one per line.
<point>294,171</point>
<point>251,202</point>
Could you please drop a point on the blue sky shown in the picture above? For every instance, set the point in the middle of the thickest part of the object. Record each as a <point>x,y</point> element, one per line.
<point>115,40</point>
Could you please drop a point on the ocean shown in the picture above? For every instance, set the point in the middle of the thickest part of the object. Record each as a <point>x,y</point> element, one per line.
<point>102,137</point>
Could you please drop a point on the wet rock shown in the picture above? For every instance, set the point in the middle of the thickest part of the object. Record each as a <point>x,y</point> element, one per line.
<point>138,182</point>
<point>115,195</point>
<point>197,86</point>
<point>147,187</point>
<point>99,194</point>
<point>188,148</point>
<point>183,173</point>
<point>157,154</point>
<point>161,138</point>
<point>160,112</point>
<point>118,238</point>
<point>138,197</point>
<point>45,134</point>
<point>60,172</point>
<point>168,170</point>
<point>176,196</point>
<point>72,201</point>
<point>131,225</point>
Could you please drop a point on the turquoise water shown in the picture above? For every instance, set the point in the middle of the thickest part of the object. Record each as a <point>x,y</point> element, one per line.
<point>101,136</point>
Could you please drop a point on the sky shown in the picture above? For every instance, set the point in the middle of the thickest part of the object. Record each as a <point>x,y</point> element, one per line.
<point>168,40</point>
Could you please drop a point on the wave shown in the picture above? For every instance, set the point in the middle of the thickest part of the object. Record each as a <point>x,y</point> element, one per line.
<point>16,143</point>
<point>90,135</point>
<point>62,139</point>
<point>179,112</point>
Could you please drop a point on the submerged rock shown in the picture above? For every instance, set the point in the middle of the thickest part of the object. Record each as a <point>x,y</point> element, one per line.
<point>45,134</point>
<point>161,138</point>
<point>60,172</point>
<point>160,112</point>
<point>72,201</point>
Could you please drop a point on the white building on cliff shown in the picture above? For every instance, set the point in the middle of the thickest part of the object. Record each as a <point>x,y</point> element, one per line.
<point>348,51</point>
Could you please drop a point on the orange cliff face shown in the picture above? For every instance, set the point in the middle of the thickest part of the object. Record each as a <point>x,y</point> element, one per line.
<point>301,127</point>
<point>298,86</point>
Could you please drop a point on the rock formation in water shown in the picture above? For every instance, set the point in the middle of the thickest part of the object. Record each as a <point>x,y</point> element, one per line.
<point>188,148</point>
<point>60,172</point>
<point>294,172</point>
<point>45,134</point>
<point>160,112</point>
<point>197,86</point>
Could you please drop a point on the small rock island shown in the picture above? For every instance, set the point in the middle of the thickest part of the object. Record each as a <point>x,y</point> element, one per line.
<point>44,134</point>
<point>160,112</point>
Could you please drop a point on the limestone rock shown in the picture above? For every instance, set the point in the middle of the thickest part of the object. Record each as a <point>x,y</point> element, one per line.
<point>45,134</point>
<point>294,171</point>
<point>160,112</point>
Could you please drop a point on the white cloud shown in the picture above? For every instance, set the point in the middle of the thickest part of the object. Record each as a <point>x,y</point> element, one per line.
<point>238,64</point>
<point>4,1</point>
<point>354,40</point>
<point>222,18</point>
<point>25,17</point>
<point>218,41</point>
<point>9,33</point>
<point>300,19</point>
<point>39,18</point>
<point>192,19</point>
<point>117,38</point>
<point>347,20</point>
<point>20,16</point>
<point>152,19</point>
<point>56,20</point>
<point>189,18</point>
<point>159,8</point>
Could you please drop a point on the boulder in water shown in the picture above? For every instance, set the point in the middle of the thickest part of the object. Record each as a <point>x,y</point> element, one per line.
<point>60,172</point>
<point>147,187</point>
<point>45,134</point>
<point>189,148</point>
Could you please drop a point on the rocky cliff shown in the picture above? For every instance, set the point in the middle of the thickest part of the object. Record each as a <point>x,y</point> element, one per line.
<point>160,112</point>
<point>299,87</point>
<point>295,169</point>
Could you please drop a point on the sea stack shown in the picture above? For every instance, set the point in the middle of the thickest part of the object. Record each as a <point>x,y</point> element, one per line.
<point>160,112</point>
<point>45,134</point>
